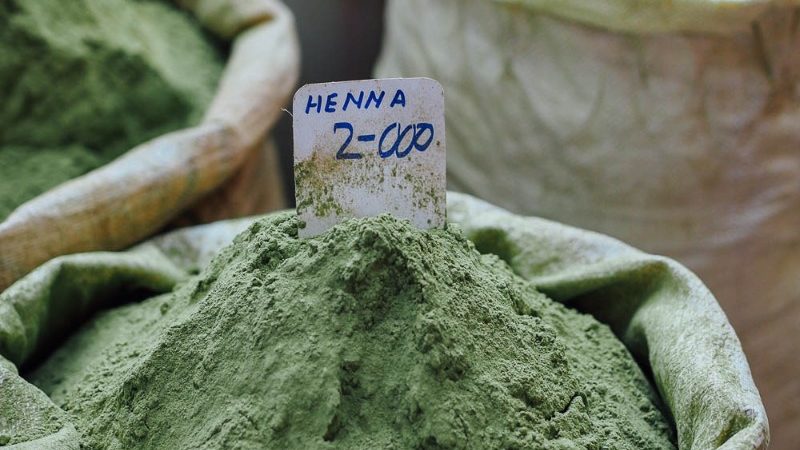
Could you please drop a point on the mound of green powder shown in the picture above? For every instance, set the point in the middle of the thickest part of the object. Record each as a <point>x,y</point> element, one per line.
<point>82,81</point>
<point>373,335</point>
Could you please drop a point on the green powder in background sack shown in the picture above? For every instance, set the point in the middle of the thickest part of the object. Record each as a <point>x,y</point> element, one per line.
<point>372,335</point>
<point>82,81</point>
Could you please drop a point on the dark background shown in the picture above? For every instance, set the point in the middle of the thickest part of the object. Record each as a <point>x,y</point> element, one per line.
<point>339,40</point>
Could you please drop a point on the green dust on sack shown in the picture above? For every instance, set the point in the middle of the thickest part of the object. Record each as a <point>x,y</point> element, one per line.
<point>321,174</point>
<point>83,81</point>
<point>372,335</point>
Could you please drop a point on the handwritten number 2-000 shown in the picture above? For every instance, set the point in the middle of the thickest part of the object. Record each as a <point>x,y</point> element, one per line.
<point>341,154</point>
<point>420,138</point>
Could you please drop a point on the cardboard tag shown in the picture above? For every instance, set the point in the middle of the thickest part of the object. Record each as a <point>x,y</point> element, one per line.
<point>362,148</point>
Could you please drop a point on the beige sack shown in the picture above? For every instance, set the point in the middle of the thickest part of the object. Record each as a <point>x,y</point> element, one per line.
<point>672,125</point>
<point>137,194</point>
<point>659,310</point>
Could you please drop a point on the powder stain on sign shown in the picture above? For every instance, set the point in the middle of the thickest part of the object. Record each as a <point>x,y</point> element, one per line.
<point>374,334</point>
<point>321,174</point>
<point>83,81</point>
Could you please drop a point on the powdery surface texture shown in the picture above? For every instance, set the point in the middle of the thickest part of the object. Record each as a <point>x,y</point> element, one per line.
<point>372,335</point>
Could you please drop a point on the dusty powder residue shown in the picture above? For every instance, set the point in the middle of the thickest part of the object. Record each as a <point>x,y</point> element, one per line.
<point>82,81</point>
<point>373,335</point>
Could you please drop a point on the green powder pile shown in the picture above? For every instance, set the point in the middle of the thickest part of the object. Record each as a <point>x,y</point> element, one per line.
<point>373,335</point>
<point>82,81</point>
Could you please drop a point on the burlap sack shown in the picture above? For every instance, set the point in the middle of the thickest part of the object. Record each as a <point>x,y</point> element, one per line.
<point>137,194</point>
<point>672,125</point>
<point>660,310</point>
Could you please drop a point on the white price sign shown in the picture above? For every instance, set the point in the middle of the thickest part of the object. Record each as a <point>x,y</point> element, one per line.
<point>362,148</point>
